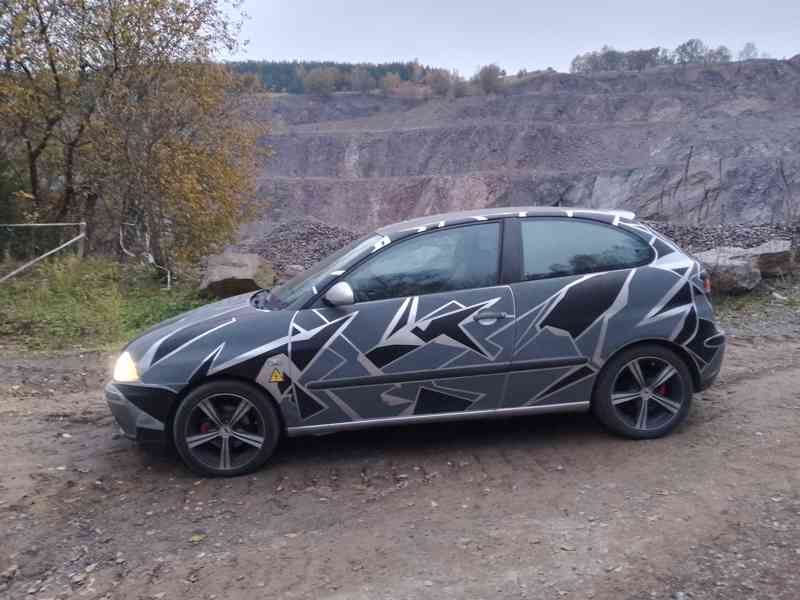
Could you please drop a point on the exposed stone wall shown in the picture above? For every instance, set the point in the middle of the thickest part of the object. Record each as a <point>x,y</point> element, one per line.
<point>710,144</point>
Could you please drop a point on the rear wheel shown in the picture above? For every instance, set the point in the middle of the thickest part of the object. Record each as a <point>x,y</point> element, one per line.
<point>225,428</point>
<point>644,392</point>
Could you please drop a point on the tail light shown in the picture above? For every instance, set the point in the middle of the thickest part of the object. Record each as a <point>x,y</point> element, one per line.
<point>706,282</point>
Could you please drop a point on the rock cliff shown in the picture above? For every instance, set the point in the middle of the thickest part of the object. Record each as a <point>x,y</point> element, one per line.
<point>698,144</point>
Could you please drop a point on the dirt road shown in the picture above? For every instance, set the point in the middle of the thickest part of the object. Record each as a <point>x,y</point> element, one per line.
<point>546,507</point>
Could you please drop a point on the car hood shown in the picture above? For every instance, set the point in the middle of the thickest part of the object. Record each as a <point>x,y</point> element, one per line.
<point>173,351</point>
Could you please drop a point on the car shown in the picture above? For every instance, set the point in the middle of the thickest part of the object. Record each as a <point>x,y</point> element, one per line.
<point>500,312</point>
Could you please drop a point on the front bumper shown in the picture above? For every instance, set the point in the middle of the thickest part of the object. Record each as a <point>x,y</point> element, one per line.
<point>134,422</point>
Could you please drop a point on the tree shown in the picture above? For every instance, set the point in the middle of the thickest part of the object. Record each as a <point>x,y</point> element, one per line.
<point>439,81</point>
<point>117,115</point>
<point>666,56</point>
<point>417,71</point>
<point>609,59</point>
<point>490,79</point>
<point>361,80</point>
<point>639,60</point>
<point>390,82</point>
<point>613,60</point>
<point>720,54</point>
<point>192,158</point>
<point>288,76</point>
<point>321,81</point>
<point>8,206</point>
<point>748,52</point>
<point>458,85</point>
<point>692,51</point>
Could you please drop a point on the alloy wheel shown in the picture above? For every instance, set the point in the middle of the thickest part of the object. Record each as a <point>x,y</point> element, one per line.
<point>648,393</point>
<point>225,431</point>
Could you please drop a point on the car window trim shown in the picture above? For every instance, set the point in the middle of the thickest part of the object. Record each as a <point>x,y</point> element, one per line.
<point>317,302</point>
<point>511,255</point>
<point>521,272</point>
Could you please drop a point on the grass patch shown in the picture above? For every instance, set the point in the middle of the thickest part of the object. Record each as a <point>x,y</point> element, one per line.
<point>768,298</point>
<point>86,304</point>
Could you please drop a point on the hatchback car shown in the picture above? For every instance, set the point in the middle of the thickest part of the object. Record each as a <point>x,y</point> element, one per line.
<point>502,312</point>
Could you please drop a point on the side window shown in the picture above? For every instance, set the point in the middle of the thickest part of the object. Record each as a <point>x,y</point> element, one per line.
<point>555,247</point>
<point>440,261</point>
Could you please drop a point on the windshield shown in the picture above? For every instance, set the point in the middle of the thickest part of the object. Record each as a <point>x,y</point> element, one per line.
<point>303,287</point>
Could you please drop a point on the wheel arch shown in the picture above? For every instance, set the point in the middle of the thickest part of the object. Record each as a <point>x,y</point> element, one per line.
<point>212,378</point>
<point>670,345</point>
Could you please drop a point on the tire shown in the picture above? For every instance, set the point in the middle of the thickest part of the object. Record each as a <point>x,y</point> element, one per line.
<point>619,397</point>
<point>241,419</point>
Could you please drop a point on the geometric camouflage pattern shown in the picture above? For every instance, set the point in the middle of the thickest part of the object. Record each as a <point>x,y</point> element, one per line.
<point>433,354</point>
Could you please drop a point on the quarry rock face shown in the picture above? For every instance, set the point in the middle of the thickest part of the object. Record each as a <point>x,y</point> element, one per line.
<point>232,273</point>
<point>698,144</point>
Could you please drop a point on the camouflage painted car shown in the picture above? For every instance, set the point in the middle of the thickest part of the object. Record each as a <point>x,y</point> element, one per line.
<point>502,312</point>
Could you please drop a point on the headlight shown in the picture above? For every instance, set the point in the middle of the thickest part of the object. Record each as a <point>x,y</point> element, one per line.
<point>125,369</point>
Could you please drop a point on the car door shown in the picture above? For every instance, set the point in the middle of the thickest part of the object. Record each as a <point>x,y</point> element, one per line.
<point>429,334</point>
<point>574,278</point>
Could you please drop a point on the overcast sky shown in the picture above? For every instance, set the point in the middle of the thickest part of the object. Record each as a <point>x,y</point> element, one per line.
<point>531,34</point>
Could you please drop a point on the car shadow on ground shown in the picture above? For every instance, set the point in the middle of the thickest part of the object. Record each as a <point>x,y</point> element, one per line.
<point>421,439</point>
<point>415,443</point>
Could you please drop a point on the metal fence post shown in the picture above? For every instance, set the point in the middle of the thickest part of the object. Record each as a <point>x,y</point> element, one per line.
<point>82,241</point>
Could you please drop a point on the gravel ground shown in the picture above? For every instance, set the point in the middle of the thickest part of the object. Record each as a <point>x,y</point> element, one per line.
<point>773,308</point>
<point>548,507</point>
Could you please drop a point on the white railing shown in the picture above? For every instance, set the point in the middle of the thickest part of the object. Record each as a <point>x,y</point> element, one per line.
<point>79,239</point>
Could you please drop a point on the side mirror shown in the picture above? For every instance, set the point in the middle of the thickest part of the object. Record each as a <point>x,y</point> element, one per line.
<point>340,294</point>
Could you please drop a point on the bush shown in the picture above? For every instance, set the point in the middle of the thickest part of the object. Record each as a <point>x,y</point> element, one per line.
<point>490,79</point>
<point>321,81</point>
<point>390,82</point>
<point>69,303</point>
<point>720,54</point>
<point>439,82</point>
<point>458,85</point>
<point>362,81</point>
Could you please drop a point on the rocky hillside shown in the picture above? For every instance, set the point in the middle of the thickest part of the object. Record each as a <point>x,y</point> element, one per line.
<point>698,144</point>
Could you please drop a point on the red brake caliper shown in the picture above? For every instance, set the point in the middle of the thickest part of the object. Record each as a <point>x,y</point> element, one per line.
<point>205,427</point>
<point>662,391</point>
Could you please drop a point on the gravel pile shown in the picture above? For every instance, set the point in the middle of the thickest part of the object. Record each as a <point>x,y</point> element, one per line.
<point>300,242</point>
<point>698,238</point>
<point>305,241</point>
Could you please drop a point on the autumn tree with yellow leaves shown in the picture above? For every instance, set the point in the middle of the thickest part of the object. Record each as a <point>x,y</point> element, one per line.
<point>114,112</point>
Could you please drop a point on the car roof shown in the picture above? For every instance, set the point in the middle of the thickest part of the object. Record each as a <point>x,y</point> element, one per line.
<point>486,214</point>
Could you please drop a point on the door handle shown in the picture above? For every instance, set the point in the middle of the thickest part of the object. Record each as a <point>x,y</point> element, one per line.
<point>488,315</point>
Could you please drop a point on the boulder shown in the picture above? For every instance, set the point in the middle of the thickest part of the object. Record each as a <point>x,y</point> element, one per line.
<point>773,258</point>
<point>293,271</point>
<point>731,270</point>
<point>735,270</point>
<point>231,273</point>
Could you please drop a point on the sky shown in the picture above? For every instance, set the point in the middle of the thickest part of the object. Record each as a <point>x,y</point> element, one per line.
<point>465,34</point>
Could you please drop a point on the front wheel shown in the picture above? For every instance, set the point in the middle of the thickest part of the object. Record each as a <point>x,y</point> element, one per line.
<point>225,428</point>
<point>644,392</point>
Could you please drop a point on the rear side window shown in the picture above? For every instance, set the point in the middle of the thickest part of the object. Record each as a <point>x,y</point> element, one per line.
<point>557,247</point>
<point>440,261</point>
